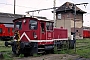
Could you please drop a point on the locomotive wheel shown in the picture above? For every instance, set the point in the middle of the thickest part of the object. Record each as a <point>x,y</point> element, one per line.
<point>71,44</point>
<point>49,51</point>
<point>52,51</point>
<point>16,52</point>
<point>26,55</point>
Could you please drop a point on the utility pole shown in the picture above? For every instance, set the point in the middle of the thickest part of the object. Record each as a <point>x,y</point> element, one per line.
<point>54,14</point>
<point>14,7</point>
<point>74,21</point>
<point>75,26</point>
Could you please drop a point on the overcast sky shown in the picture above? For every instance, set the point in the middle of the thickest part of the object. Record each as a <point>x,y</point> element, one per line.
<point>22,6</point>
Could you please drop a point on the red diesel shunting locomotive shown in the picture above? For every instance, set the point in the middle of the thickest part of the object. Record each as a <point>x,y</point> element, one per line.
<point>34,36</point>
<point>6,32</point>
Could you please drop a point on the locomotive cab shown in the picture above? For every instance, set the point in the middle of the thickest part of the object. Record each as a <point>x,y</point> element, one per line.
<point>34,30</point>
<point>27,27</point>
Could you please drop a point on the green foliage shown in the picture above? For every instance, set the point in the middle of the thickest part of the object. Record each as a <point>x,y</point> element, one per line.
<point>8,56</point>
<point>55,50</point>
<point>43,59</point>
<point>70,51</point>
<point>69,59</point>
<point>21,55</point>
<point>35,55</point>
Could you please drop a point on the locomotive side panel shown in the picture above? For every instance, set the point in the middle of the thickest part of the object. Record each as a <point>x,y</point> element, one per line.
<point>86,33</point>
<point>63,33</point>
<point>6,33</point>
<point>89,34</point>
<point>2,30</point>
<point>60,33</point>
<point>11,32</point>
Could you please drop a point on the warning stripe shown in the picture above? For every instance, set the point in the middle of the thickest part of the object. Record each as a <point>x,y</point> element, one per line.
<point>24,34</point>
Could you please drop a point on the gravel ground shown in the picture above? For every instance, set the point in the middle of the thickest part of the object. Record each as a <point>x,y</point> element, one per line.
<point>53,57</point>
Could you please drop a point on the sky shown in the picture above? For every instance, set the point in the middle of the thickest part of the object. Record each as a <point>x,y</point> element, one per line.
<point>22,6</point>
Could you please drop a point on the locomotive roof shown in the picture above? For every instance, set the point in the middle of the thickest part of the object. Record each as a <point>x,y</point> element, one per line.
<point>33,18</point>
<point>9,25</point>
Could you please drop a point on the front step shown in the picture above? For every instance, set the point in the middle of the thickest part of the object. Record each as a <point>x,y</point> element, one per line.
<point>41,52</point>
<point>40,48</point>
<point>59,49</point>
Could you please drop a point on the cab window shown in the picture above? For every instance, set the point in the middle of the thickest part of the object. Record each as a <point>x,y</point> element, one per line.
<point>18,25</point>
<point>49,25</point>
<point>33,24</point>
<point>0,30</point>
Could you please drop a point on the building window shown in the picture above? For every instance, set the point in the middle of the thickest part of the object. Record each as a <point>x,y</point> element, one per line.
<point>59,16</point>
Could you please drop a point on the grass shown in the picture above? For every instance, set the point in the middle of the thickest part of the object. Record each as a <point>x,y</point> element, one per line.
<point>82,49</point>
<point>8,56</point>
<point>1,43</point>
<point>6,51</point>
<point>3,48</point>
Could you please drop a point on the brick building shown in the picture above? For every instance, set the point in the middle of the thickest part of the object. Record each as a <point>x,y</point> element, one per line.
<point>65,18</point>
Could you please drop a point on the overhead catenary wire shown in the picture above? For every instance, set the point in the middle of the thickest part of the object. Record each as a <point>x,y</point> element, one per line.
<point>17,5</point>
<point>42,9</point>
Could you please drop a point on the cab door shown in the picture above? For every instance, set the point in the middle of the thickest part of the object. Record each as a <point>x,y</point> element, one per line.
<point>42,31</point>
<point>49,30</point>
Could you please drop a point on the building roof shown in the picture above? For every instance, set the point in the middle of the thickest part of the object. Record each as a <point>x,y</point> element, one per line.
<point>10,15</point>
<point>68,6</point>
<point>6,18</point>
<point>17,15</point>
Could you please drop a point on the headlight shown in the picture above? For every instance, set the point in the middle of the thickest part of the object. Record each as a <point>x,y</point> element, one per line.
<point>24,21</point>
<point>34,35</point>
